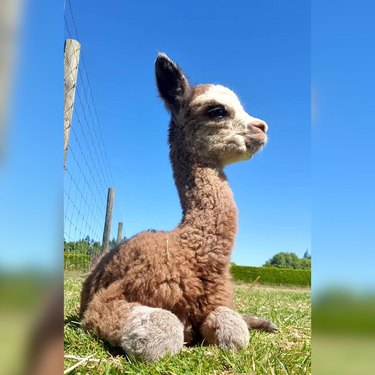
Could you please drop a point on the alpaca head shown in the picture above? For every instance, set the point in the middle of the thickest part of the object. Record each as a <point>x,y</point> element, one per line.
<point>208,122</point>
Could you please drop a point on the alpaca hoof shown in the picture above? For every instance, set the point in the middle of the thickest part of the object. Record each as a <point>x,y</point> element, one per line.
<point>271,327</point>
<point>151,333</point>
<point>226,329</point>
<point>253,322</point>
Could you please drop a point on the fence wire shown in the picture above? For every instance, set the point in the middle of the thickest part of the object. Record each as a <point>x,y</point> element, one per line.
<point>87,169</point>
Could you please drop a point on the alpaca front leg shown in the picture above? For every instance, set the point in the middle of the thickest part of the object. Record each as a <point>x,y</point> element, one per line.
<point>144,332</point>
<point>150,333</point>
<point>226,329</point>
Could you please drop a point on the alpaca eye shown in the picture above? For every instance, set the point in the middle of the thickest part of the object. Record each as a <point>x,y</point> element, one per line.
<point>217,112</point>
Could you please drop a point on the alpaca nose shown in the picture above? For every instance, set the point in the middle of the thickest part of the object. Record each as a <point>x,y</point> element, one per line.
<point>260,124</point>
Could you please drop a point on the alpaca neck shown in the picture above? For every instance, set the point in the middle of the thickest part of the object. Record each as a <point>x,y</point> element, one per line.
<point>209,211</point>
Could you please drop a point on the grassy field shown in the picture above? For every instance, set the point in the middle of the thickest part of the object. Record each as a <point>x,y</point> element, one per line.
<point>287,352</point>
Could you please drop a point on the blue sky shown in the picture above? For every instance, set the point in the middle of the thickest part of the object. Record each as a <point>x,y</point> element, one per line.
<point>31,188</point>
<point>343,185</point>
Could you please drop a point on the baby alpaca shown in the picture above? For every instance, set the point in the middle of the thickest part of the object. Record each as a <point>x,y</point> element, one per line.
<point>158,290</point>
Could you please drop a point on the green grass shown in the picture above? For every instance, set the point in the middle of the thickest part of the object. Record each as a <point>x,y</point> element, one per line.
<point>287,352</point>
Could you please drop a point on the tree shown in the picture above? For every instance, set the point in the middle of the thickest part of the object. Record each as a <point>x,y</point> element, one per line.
<point>112,243</point>
<point>307,255</point>
<point>288,260</point>
<point>83,246</point>
<point>305,263</point>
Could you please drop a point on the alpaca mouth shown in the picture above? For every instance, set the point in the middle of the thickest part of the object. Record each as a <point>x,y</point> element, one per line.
<point>255,141</point>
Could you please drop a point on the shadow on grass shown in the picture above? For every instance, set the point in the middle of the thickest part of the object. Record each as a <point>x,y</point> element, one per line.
<point>115,351</point>
<point>74,320</point>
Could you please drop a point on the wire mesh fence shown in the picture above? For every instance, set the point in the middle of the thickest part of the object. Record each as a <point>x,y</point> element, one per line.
<point>87,175</point>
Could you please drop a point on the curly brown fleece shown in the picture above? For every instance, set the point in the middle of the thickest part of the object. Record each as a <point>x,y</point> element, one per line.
<point>185,271</point>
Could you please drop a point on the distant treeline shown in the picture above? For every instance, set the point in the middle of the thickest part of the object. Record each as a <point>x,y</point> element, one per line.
<point>290,260</point>
<point>84,246</point>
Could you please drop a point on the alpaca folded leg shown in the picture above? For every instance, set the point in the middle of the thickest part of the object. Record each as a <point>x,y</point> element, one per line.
<point>151,333</point>
<point>253,322</point>
<point>226,329</point>
<point>144,332</point>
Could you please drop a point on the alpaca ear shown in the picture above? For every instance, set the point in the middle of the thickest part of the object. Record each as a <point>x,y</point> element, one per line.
<point>173,86</point>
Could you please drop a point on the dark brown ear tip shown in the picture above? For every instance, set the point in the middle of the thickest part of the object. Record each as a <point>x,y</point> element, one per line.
<point>163,60</point>
<point>162,55</point>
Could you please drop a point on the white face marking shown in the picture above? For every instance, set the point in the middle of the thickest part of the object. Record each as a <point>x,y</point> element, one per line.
<point>226,97</point>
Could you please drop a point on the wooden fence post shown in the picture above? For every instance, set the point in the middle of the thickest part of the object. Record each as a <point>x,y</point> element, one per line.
<point>108,219</point>
<point>119,232</point>
<point>71,60</point>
